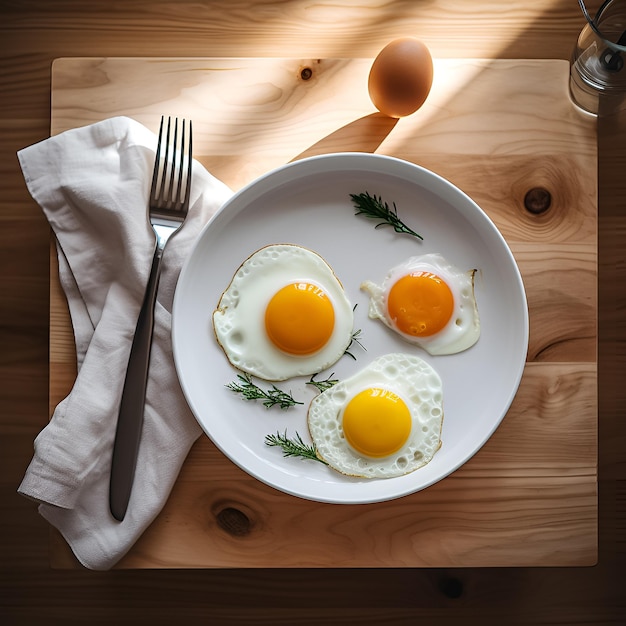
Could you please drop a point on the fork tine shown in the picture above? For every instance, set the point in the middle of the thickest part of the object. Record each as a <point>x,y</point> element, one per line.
<point>161,198</point>
<point>189,164</point>
<point>157,164</point>
<point>171,201</point>
<point>181,170</point>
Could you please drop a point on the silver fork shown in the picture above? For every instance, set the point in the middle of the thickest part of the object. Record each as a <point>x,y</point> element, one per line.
<point>168,207</point>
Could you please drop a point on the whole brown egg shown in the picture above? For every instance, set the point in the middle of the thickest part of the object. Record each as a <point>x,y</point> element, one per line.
<point>401,77</point>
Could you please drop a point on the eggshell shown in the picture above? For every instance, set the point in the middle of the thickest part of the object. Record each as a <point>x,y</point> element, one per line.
<point>401,77</point>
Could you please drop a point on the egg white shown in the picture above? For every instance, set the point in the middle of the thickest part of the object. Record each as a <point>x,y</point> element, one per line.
<point>463,329</point>
<point>410,378</point>
<point>239,319</point>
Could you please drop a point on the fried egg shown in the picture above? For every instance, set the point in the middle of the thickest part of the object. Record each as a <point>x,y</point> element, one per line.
<point>428,302</point>
<point>383,421</point>
<point>284,314</point>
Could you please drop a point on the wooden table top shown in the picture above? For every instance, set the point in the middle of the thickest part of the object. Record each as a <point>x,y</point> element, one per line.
<point>585,484</point>
<point>480,129</point>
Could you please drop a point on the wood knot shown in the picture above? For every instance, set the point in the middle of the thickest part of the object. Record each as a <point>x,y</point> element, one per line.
<point>234,522</point>
<point>451,587</point>
<point>537,200</point>
<point>306,73</point>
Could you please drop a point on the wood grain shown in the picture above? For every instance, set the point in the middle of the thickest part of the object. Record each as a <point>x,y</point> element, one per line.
<point>326,29</point>
<point>479,125</point>
<point>33,34</point>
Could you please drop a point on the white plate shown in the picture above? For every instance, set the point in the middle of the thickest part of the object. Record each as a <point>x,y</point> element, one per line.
<point>308,203</point>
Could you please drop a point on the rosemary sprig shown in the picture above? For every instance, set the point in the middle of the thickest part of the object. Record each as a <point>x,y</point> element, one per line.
<point>271,397</point>
<point>374,208</point>
<point>293,447</point>
<point>356,338</point>
<point>323,385</point>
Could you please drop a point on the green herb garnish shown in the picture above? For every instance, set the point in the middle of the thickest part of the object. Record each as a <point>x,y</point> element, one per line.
<point>323,385</point>
<point>356,338</point>
<point>374,208</point>
<point>293,447</point>
<point>271,397</point>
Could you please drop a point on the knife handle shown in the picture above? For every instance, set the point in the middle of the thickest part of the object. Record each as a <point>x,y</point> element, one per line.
<point>132,406</point>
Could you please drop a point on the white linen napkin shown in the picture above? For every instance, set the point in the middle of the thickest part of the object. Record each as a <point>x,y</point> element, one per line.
<point>92,184</point>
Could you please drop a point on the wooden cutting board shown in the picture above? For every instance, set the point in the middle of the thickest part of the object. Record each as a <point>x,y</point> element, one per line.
<point>504,132</point>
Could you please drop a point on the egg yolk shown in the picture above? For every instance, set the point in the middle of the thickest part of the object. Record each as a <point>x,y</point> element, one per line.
<point>376,422</point>
<point>420,304</point>
<point>299,319</point>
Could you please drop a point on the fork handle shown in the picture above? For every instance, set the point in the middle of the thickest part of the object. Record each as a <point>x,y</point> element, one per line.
<point>130,417</point>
